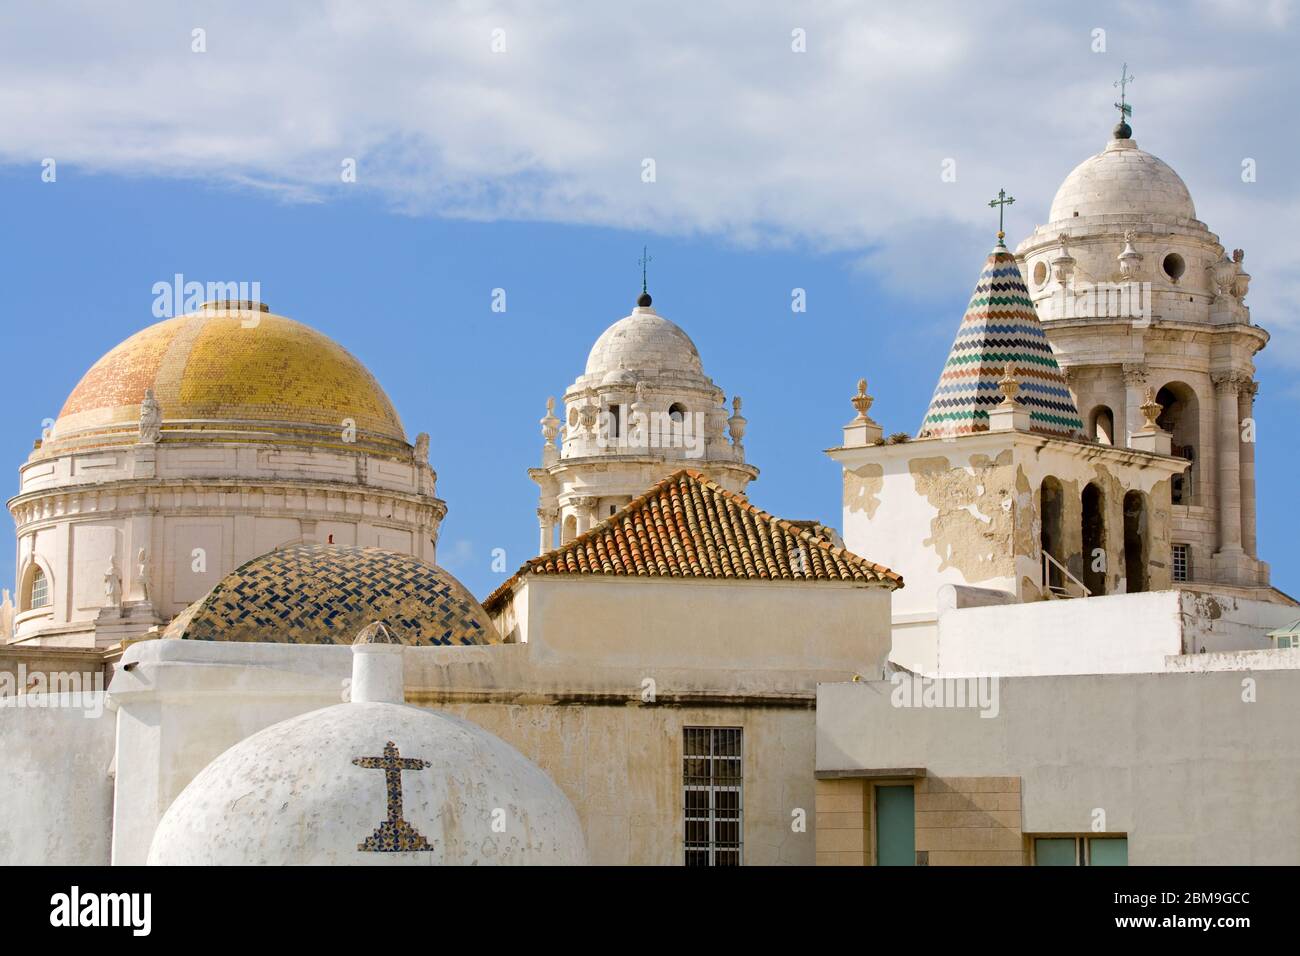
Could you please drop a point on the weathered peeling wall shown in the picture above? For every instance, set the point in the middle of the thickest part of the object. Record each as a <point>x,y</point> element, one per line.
<point>862,488</point>
<point>969,512</point>
<point>974,501</point>
<point>1114,473</point>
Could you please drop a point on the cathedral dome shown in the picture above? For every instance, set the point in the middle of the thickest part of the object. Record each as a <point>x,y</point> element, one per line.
<point>1123,180</point>
<point>371,782</point>
<point>233,375</point>
<point>318,594</point>
<point>643,342</point>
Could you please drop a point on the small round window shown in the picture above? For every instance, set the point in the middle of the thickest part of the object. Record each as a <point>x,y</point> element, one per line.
<point>1174,266</point>
<point>1040,273</point>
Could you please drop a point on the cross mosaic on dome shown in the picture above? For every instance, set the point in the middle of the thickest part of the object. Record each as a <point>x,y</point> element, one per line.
<point>394,835</point>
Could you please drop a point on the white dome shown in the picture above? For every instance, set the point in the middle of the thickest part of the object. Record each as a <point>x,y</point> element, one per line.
<point>1122,180</point>
<point>644,342</point>
<point>317,788</point>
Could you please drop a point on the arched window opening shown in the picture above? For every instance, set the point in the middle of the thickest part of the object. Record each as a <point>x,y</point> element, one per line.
<point>1051,501</point>
<point>1094,539</point>
<point>677,412</point>
<point>1135,542</point>
<point>1180,416</point>
<point>38,594</point>
<point>1101,425</point>
<point>570,529</point>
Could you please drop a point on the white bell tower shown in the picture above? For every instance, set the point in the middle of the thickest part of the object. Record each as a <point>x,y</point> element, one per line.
<point>641,410</point>
<point>1138,297</point>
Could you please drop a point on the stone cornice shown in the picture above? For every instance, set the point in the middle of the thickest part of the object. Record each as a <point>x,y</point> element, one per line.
<point>700,464</point>
<point>311,491</point>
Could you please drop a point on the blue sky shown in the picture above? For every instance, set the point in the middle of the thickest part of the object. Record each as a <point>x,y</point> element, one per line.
<point>522,171</point>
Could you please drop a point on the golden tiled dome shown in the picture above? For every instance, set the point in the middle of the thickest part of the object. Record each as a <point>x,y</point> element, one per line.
<point>233,375</point>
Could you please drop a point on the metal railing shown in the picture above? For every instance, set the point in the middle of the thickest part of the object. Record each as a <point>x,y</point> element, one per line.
<point>1061,590</point>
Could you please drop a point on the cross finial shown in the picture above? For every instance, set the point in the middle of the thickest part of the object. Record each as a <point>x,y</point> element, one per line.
<point>644,261</point>
<point>1001,203</point>
<point>1125,110</point>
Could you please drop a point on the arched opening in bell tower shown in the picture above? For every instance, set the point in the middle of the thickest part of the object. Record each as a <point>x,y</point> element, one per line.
<point>1181,417</point>
<point>1094,539</point>
<point>1101,425</point>
<point>1135,542</point>
<point>1051,505</point>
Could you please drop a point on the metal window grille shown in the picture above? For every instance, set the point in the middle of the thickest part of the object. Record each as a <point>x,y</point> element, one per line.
<point>713,795</point>
<point>1181,563</point>
<point>40,589</point>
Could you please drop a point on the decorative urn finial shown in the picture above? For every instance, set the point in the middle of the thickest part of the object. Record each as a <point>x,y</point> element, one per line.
<point>737,422</point>
<point>550,424</point>
<point>1130,260</point>
<point>1009,385</point>
<point>862,402</point>
<point>1151,410</point>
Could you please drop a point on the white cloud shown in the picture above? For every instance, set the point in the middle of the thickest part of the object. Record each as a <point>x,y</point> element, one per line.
<point>839,147</point>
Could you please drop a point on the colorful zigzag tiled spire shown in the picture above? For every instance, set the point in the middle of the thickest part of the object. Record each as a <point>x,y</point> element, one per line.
<point>1000,328</point>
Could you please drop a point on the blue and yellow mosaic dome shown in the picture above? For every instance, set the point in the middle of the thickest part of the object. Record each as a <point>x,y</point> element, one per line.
<point>319,594</point>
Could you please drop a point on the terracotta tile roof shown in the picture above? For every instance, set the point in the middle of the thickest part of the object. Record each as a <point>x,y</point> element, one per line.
<point>688,526</point>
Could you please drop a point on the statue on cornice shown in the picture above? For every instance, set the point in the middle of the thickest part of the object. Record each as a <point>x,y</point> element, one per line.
<point>112,584</point>
<point>150,419</point>
<point>142,573</point>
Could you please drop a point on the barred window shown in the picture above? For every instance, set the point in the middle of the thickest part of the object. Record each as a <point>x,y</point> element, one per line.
<point>1182,562</point>
<point>40,596</point>
<point>712,794</point>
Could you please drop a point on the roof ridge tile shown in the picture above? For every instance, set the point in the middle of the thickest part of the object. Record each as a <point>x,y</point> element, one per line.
<point>687,525</point>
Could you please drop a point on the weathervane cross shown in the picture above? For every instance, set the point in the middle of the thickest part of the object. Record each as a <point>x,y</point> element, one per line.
<point>644,261</point>
<point>1125,110</point>
<point>1001,202</point>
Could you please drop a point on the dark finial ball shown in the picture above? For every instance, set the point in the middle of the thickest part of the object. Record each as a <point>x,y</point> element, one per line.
<point>1123,131</point>
<point>643,300</point>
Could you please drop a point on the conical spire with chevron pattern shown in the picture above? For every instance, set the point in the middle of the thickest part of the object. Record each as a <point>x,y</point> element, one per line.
<point>1000,329</point>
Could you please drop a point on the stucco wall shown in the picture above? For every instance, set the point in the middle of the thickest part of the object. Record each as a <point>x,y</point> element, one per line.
<point>57,795</point>
<point>1122,633</point>
<point>1181,763</point>
<point>754,625</point>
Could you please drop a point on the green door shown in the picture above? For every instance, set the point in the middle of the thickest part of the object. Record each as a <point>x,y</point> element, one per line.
<point>895,826</point>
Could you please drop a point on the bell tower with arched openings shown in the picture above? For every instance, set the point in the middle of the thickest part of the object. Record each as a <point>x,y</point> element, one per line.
<point>1140,301</point>
<point>642,409</point>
